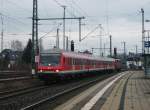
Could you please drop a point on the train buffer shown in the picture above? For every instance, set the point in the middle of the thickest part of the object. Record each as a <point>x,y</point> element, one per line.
<point>127,91</point>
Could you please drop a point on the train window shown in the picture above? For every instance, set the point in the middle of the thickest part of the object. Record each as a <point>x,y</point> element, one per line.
<point>78,62</point>
<point>50,59</point>
<point>88,63</point>
<point>73,61</point>
<point>81,61</point>
<point>69,61</point>
<point>66,61</point>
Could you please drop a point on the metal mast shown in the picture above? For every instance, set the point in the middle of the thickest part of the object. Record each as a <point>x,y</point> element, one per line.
<point>80,29</point>
<point>2,33</point>
<point>143,31</point>
<point>124,49</point>
<point>100,42</point>
<point>57,38</point>
<point>34,32</point>
<point>110,46</point>
<point>64,16</point>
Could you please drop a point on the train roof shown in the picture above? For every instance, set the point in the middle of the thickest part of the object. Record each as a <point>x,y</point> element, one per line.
<point>50,51</point>
<point>86,56</point>
<point>77,55</point>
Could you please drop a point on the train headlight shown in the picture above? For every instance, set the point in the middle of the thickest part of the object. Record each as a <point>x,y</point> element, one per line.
<point>41,70</point>
<point>57,71</point>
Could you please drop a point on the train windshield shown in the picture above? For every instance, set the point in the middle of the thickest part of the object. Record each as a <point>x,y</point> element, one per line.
<point>50,59</point>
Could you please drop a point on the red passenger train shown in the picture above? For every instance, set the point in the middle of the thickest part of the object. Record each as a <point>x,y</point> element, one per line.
<point>58,63</point>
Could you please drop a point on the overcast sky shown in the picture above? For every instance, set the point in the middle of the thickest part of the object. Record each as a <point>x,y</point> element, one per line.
<point>120,18</point>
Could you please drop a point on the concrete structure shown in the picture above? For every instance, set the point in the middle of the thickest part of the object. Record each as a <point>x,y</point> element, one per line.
<point>126,91</point>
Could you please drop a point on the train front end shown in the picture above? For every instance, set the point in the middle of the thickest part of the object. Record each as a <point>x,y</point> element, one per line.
<point>50,65</point>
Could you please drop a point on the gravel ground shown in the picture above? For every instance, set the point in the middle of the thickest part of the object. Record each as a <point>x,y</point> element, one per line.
<point>19,84</point>
<point>15,103</point>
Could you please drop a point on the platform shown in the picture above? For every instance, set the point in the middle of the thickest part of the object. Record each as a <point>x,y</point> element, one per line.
<point>128,91</point>
<point>132,92</point>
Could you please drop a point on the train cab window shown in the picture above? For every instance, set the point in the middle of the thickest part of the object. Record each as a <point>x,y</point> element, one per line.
<point>68,61</point>
<point>65,61</point>
<point>50,59</point>
<point>73,61</point>
<point>76,61</point>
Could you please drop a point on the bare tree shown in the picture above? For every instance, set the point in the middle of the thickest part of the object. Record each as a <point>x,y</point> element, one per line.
<point>16,45</point>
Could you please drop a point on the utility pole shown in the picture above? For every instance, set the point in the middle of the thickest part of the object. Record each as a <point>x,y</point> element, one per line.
<point>64,16</point>
<point>67,43</point>
<point>104,49</point>
<point>100,40</point>
<point>80,29</point>
<point>35,49</point>
<point>124,60</point>
<point>110,46</point>
<point>136,60</point>
<point>143,30</point>
<point>124,48</point>
<point>2,34</point>
<point>136,47</point>
<point>57,38</point>
<point>148,40</point>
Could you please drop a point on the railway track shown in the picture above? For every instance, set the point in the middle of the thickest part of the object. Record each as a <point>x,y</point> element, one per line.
<point>13,93</point>
<point>15,79</point>
<point>50,99</point>
<point>13,74</point>
<point>11,86</point>
<point>35,97</point>
<point>39,104</point>
<point>7,76</point>
<point>122,101</point>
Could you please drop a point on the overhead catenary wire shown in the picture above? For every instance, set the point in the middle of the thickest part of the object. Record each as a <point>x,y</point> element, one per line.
<point>90,32</point>
<point>54,28</point>
<point>61,5</point>
<point>20,7</point>
<point>12,18</point>
<point>72,6</point>
<point>84,12</point>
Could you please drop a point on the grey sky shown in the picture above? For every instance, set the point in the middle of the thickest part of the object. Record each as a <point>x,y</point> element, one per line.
<point>121,18</point>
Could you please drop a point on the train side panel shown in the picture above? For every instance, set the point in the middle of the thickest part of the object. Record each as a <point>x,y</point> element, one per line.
<point>73,64</point>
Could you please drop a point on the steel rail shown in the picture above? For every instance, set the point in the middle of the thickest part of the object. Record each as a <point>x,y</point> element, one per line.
<point>21,92</point>
<point>14,79</point>
<point>50,99</point>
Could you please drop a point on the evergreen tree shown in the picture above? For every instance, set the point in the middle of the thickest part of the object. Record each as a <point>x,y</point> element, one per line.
<point>27,53</point>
